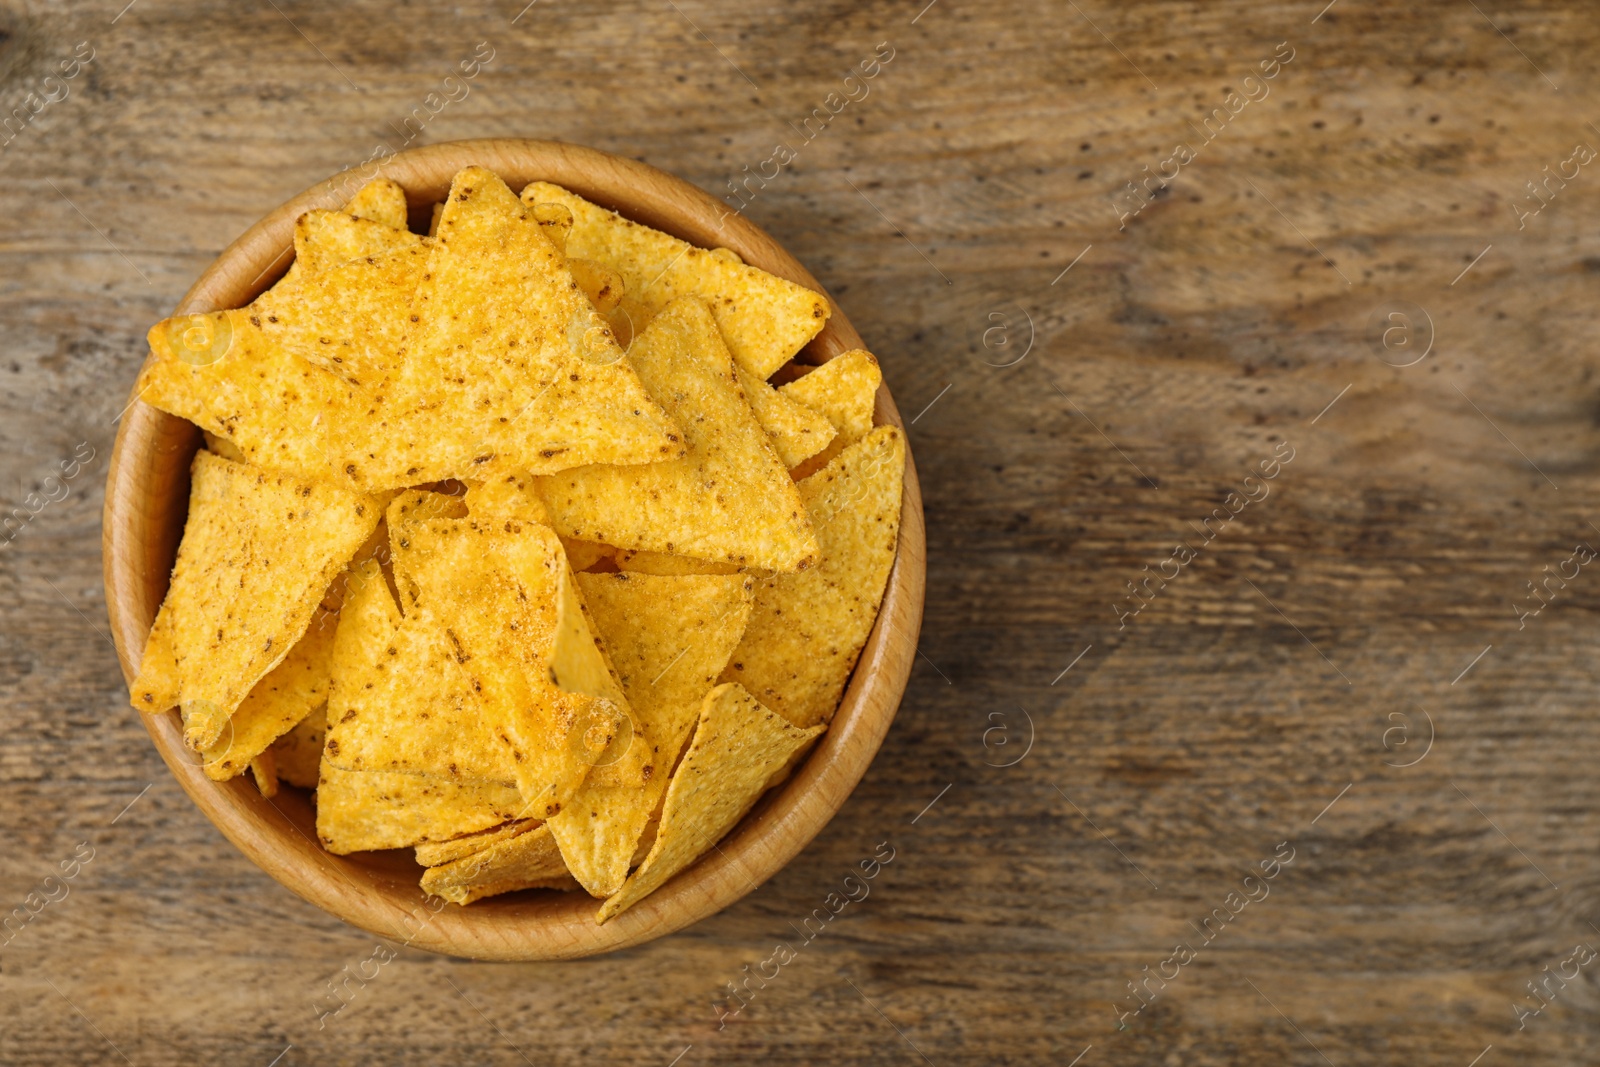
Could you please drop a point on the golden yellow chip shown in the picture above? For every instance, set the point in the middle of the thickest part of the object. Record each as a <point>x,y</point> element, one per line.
<point>435,853</point>
<point>844,389</point>
<point>290,691</point>
<point>224,375</point>
<point>358,811</point>
<point>729,499</point>
<point>603,286</point>
<point>766,319</point>
<point>346,314</point>
<point>807,629</point>
<point>797,432</point>
<point>258,551</point>
<point>526,861</point>
<point>433,223</point>
<point>738,745</point>
<point>380,200</point>
<point>494,589</point>
<point>401,701</point>
<point>298,753</point>
<point>668,639</point>
<point>507,363</point>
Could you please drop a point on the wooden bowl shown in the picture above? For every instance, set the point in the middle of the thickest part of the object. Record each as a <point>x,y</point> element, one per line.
<point>147,495</point>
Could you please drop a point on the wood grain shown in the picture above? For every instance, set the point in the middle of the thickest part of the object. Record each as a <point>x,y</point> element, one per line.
<point>1188,346</point>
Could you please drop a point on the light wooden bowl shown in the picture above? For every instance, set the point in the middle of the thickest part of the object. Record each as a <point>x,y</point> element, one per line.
<point>147,494</point>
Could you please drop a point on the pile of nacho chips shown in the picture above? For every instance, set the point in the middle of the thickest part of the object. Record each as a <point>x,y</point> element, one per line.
<point>504,543</point>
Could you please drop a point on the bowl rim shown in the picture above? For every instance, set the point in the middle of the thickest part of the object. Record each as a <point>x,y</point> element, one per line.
<point>147,499</point>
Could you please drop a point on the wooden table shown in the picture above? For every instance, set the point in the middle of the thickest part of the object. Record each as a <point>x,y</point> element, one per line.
<point>1342,665</point>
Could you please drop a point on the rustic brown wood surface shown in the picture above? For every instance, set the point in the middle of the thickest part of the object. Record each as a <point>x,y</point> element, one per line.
<point>1277,697</point>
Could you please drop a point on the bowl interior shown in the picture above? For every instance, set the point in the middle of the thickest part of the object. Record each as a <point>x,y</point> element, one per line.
<point>147,500</point>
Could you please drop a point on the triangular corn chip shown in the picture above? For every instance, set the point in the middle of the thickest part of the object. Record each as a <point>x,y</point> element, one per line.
<point>299,752</point>
<point>766,319</point>
<point>158,686</point>
<point>345,313</point>
<point>844,389</point>
<point>290,691</point>
<point>508,363</point>
<point>401,702</point>
<point>435,853</point>
<point>797,432</point>
<point>526,861</point>
<point>668,639</point>
<point>380,200</point>
<point>493,588</point>
<point>222,374</point>
<point>358,811</point>
<point>728,499</point>
<point>807,629</point>
<point>737,746</point>
<point>258,551</point>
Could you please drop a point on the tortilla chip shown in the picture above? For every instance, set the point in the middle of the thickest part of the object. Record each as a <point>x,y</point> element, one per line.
<point>223,374</point>
<point>258,551</point>
<point>526,861</point>
<point>640,561</point>
<point>765,319</point>
<point>506,363</point>
<point>359,811</point>
<point>346,313</point>
<point>158,685</point>
<point>401,702</point>
<point>844,389</point>
<point>603,286</point>
<point>807,629</point>
<point>729,499</point>
<point>380,200</point>
<point>433,223</point>
<point>299,752</point>
<point>264,769</point>
<point>737,746</point>
<point>493,588</point>
<point>668,639</point>
<point>291,691</point>
<point>797,432</point>
<point>436,853</point>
